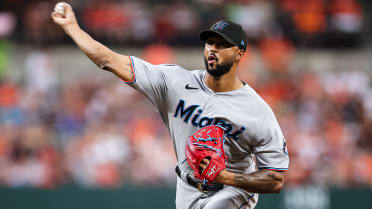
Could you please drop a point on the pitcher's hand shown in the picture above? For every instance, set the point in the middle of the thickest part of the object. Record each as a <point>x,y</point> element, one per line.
<point>65,21</point>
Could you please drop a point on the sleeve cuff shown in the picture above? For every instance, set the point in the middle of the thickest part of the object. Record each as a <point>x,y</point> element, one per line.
<point>134,74</point>
<point>272,168</point>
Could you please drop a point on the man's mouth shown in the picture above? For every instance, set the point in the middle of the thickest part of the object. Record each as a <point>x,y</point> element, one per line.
<point>212,58</point>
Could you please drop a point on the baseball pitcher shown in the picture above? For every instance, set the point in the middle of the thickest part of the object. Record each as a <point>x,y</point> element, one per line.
<point>228,143</point>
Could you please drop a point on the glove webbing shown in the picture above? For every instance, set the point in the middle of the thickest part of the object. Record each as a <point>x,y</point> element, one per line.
<point>208,147</point>
<point>207,139</point>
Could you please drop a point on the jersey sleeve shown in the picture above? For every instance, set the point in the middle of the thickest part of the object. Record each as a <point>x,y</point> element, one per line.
<point>150,80</point>
<point>270,148</point>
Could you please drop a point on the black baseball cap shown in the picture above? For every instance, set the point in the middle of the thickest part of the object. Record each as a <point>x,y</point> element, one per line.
<point>230,31</point>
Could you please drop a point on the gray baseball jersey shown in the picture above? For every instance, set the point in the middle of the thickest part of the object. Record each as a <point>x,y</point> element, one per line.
<point>253,137</point>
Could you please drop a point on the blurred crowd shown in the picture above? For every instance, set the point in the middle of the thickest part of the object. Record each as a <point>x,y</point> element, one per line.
<point>101,133</point>
<point>321,23</point>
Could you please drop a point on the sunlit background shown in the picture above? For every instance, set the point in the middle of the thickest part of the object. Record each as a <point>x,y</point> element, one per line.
<point>72,136</point>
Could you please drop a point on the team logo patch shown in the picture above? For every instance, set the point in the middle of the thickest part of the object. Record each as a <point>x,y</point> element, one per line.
<point>220,25</point>
<point>285,147</point>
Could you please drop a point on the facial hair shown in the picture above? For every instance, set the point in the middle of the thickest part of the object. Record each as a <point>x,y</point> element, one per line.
<point>221,69</point>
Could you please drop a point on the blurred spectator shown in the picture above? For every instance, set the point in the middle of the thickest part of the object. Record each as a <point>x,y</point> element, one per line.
<point>346,19</point>
<point>37,27</point>
<point>346,16</point>
<point>310,17</point>
<point>255,16</point>
<point>158,54</point>
<point>107,20</point>
<point>305,22</point>
<point>143,28</point>
<point>7,22</point>
<point>40,74</point>
<point>276,52</point>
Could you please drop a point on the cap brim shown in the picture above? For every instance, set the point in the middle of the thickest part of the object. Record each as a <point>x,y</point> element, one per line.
<point>204,35</point>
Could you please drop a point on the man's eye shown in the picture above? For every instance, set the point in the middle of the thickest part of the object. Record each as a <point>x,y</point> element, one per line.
<point>226,45</point>
<point>222,45</point>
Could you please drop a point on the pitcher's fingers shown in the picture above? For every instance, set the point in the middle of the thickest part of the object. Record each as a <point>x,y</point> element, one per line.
<point>205,161</point>
<point>67,7</point>
<point>56,15</point>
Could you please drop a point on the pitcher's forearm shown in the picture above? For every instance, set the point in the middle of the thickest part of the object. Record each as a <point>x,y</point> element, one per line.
<point>97,52</point>
<point>263,181</point>
<point>102,56</point>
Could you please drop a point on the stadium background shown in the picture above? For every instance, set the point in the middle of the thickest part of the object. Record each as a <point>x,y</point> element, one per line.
<point>72,136</point>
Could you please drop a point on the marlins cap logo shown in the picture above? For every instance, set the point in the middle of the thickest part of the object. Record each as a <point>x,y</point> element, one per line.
<point>220,25</point>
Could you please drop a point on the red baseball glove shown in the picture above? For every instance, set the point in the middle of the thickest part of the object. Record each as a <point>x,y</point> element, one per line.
<point>207,142</point>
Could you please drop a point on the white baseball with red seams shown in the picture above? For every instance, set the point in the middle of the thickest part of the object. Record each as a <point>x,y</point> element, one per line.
<point>60,9</point>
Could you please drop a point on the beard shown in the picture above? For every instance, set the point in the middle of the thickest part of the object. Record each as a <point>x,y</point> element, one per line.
<point>221,69</point>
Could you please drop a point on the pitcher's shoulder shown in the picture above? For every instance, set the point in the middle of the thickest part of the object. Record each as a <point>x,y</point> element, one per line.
<point>173,68</point>
<point>257,100</point>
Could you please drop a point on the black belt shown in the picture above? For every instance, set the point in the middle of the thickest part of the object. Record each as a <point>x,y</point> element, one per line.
<point>201,186</point>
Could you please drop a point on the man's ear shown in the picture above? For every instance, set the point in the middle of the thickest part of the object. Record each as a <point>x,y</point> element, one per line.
<point>239,55</point>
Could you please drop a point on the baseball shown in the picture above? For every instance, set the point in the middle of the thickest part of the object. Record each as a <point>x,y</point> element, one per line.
<point>60,9</point>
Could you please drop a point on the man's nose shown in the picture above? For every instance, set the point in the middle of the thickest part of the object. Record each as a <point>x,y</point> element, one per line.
<point>213,48</point>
